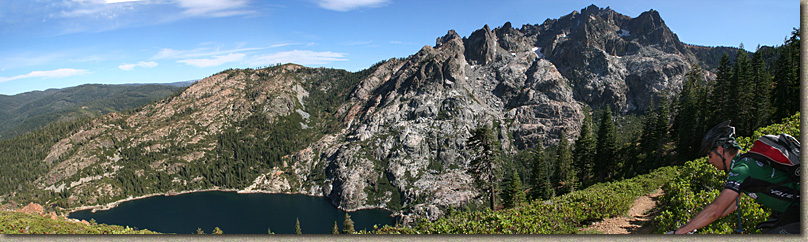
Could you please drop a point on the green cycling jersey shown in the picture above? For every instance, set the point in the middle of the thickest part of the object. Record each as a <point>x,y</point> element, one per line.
<point>768,186</point>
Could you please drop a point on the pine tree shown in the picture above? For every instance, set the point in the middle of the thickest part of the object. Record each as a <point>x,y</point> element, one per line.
<point>584,154</point>
<point>297,226</point>
<point>691,110</point>
<point>647,148</point>
<point>485,166</point>
<point>786,94</point>
<point>541,188</point>
<point>513,194</point>
<point>762,110</point>
<point>217,230</point>
<point>348,225</point>
<point>652,140</point>
<point>719,100</point>
<point>335,229</point>
<point>565,171</point>
<point>607,164</point>
<point>742,94</point>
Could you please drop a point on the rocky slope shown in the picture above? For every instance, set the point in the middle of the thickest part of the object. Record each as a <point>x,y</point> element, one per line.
<point>392,136</point>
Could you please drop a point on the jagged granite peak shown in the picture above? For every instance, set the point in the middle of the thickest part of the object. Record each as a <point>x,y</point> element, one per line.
<point>512,40</point>
<point>481,46</point>
<point>606,55</point>
<point>449,36</point>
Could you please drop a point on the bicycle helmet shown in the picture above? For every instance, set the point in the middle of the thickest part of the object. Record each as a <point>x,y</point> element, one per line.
<point>720,135</point>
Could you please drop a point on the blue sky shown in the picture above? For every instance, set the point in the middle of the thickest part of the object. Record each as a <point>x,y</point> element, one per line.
<point>63,43</point>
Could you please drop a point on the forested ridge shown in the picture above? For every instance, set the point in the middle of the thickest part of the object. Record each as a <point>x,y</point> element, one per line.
<point>25,112</point>
<point>243,150</point>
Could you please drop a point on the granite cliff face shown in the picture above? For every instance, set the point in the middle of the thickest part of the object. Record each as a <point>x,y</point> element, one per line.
<point>613,59</point>
<point>400,138</point>
<point>529,84</point>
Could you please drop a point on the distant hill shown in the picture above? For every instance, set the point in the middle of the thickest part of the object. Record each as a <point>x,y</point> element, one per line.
<point>24,112</point>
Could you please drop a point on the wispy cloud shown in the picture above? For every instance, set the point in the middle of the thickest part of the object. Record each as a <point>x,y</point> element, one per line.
<point>396,42</point>
<point>168,53</point>
<point>214,8</point>
<point>129,67</point>
<point>58,73</point>
<point>74,16</point>
<point>303,57</point>
<point>215,61</point>
<point>283,44</point>
<point>120,1</point>
<point>348,5</point>
<point>360,42</point>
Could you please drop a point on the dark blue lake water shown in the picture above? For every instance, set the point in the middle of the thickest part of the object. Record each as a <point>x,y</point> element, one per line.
<point>234,213</point>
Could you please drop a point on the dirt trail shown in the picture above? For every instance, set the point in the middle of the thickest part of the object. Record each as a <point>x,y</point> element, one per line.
<point>638,216</point>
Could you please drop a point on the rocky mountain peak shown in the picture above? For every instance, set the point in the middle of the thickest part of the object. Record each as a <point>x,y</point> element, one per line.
<point>446,38</point>
<point>481,46</point>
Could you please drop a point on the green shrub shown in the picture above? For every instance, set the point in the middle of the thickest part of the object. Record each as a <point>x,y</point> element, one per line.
<point>561,215</point>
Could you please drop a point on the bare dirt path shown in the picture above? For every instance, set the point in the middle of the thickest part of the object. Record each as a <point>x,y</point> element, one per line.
<point>638,216</point>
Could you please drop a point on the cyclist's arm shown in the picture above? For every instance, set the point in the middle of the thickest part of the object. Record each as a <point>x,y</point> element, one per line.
<point>730,209</point>
<point>711,212</point>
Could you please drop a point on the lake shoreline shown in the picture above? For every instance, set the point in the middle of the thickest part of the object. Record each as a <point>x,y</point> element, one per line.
<point>235,212</point>
<point>111,205</point>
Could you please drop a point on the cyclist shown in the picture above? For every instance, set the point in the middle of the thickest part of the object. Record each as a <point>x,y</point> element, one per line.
<point>745,174</point>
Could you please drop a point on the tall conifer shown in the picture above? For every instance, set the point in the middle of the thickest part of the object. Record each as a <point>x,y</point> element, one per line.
<point>566,172</point>
<point>513,194</point>
<point>541,188</point>
<point>485,166</point>
<point>297,226</point>
<point>762,109</point>
<point>786,94</point>
<point>584,154</point>
<point>607,164</point>
<point>718,102</point>
<point>348,225</point>
<point>741,94</point>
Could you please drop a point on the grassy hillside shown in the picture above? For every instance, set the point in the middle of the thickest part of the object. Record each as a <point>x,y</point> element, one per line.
<point>27,223</point>
<point>566,214</point>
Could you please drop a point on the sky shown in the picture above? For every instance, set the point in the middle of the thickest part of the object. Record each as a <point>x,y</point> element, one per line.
<point>62,43</point>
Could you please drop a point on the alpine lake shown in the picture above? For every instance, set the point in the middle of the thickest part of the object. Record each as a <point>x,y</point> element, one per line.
<point>234,213</point>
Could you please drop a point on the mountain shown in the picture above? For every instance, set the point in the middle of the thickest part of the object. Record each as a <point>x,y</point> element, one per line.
<point>392,136</point>
<point>24,112</point>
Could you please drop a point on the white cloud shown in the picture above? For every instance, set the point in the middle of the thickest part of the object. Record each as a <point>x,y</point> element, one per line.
<point>129,67</point>
<point>348,5</point>
<point>217,60</point>
<point>72,16</point>
<point>120,1</point>
<point>168,53</point>
<point>58,73</point>
<point>303,57</point>
<point>214,8</point>
<point>282,45</point>
<point>360,42</point>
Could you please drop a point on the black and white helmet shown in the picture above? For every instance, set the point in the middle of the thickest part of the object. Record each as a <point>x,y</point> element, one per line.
<point>720,135</point>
